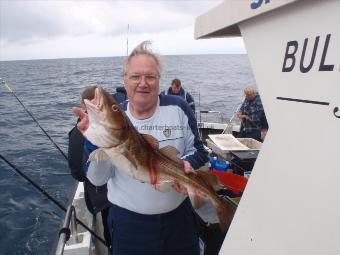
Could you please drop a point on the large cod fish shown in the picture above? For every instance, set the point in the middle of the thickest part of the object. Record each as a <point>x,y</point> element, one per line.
<point>139,155</point>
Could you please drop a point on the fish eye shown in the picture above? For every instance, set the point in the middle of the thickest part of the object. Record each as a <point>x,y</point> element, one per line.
<point>115,108</point>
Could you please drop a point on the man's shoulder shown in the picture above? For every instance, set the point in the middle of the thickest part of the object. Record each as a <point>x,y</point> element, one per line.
<point>175,101</point>
<point>188,96</point>
<point>258,100</point>
<point>170,100</point>
<point>124,104</point>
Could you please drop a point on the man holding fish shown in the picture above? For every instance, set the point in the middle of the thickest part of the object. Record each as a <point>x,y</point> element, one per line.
<point>147,155</point>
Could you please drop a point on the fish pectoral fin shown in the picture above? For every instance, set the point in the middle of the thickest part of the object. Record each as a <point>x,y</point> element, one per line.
<point>119,156</point>
<point>98,154</point>
<point>151,140</point>
<point>171,152</point>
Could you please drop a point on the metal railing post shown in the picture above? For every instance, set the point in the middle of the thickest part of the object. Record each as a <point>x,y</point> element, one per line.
<point>74,231</point>
<point>65,232</point>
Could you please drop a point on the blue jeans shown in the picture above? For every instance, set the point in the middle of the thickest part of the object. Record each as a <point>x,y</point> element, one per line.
<point>170,233</point>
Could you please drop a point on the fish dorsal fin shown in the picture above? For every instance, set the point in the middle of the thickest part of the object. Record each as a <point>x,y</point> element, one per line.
<point>171,152</point>
<point>151,140</point>
<point>210,179</point>
<point>98,154</point>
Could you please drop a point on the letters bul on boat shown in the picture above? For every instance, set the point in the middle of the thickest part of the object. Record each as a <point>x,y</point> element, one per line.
<point>293,48</point>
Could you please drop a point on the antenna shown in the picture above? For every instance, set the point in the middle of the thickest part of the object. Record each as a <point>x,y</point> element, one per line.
<point>199,96</point>
<point>199,101</point>
<point>127,41</point>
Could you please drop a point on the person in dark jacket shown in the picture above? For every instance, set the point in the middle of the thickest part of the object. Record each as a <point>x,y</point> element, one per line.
<point>253,119</point>
<point>78,152</point>
<point>120,94</point>
<point>177,90</point>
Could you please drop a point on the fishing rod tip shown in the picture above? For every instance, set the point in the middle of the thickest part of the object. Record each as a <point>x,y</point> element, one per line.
<point>8,87</point>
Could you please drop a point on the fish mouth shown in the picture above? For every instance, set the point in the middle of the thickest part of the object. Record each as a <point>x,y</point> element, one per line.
<point>96,103</point>
<point>94,108</point>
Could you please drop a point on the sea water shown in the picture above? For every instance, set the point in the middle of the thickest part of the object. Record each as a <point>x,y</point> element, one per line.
<point>49,88</point>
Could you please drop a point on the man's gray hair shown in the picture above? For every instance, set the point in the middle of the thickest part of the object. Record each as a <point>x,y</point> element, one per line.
<point>250,89</point>
<point>144,49</point>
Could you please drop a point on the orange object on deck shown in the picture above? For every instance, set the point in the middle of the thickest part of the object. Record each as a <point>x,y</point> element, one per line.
<point>234,182</point>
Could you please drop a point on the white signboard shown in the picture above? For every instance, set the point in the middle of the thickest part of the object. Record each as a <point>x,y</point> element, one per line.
<point>291,204</point>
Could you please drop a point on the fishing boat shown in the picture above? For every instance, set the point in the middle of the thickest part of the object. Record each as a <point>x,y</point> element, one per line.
<point>291,203</point>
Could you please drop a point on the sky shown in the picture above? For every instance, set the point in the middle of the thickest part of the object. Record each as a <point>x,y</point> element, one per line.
<point>35,29</point>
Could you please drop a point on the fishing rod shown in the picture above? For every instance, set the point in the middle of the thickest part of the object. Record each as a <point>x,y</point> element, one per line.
<point>46,194</point>
<point>62,207</point>
<point>228,128</point>
<point>9,89</point>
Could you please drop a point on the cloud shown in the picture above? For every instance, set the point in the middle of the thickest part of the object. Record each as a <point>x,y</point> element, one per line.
<point>23,21</point>
<point>192,7</point>
<point>18,20</point>
<point>57,29</point>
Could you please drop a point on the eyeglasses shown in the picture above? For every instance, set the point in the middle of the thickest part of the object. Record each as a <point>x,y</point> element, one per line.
<point>136,78</point>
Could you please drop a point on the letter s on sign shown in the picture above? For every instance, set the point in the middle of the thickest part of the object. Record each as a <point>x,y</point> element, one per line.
<point>257,3</point>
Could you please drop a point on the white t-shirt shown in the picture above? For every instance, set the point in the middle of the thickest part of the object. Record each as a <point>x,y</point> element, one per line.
<point>169,125</point>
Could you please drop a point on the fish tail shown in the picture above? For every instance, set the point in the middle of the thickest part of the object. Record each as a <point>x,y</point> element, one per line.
<point>207,181</point>
<point>225,212</point>
<point>225,209</point>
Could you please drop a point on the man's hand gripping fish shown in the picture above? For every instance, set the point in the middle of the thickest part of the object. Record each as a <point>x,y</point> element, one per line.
<point>139,155</point>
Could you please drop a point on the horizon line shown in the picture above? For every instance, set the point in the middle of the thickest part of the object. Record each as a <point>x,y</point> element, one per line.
<point>33,59</point>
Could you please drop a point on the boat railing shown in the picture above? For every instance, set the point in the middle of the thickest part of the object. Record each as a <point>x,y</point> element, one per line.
<point>69,230</point>
<point>199,115</point>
